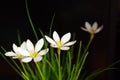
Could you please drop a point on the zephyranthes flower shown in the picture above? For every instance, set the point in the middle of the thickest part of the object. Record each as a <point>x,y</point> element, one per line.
<point>92,29</point>
<point>15,53</point>
<point>62,43</point>
<point>31,52</point>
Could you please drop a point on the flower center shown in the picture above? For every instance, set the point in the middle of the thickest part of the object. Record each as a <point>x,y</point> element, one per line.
<point>33,54</point>
<point>92,31</point>
<point>59,44</point>
<point>19,55</point>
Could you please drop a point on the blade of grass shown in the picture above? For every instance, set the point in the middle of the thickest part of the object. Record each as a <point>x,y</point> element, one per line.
<point>79,52</point>
<point>101,70</point>
<point>30,20</point>
<point>53,69</point>
<point>19,38</point>
<point>97,72</point>
<point>24,76</point>
<point>69,63</point>
<point>13,67</point>
<point>19,69</point>
<point>24,69</point>
<point>51,24</point>
<point>40,72</point>
<point>31,71</point>
<point>72,73</point>
<point>81,67</point>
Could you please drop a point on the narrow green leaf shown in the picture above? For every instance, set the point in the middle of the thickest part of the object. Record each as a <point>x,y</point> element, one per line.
<point>30,20</point>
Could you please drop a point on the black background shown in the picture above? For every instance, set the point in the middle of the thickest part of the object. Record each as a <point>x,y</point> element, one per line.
<point>70,15</point>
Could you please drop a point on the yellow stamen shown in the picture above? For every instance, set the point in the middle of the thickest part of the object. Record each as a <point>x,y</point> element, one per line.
<point>19,55</point>
<point>59,44</point>
<point>92,31</point>
<point>33,54</point>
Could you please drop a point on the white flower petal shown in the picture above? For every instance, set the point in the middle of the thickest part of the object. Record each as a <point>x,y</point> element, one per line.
<point>15,57</point>
<point>84,29</point>
<point>94,26</point>
<point>38,58</point>
<point>10,54</point>
<point>39,45</point>
<point>29,45</point>
<point>54,46</point>
<point>23,45</point>
<point>88,26</point>
<point>65,38</point>
<point>23,52</point>
<point>15,48</point>
<point>43,52</point>
<point>27,59</point>
<point>70,43</point>
<point>50,40</point>
<point>56,36</point>
<point>65,48</point>
<point>99,29</point>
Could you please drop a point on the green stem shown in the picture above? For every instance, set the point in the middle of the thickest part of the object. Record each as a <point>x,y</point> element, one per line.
<point>91,38</point>
<point>84,56</point>
<point>39,70</point>
<point>31,71</point>
<point>24,68</point>
<point>79,52</point>
<point>81,67</point>
<point>24,76</point>
<point>59,68</point>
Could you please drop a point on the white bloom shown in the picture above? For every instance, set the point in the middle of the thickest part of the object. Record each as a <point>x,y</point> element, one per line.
<point>15,53</point>
<point>92,29</point>
<point>62,43</point>
<point>32,52</point>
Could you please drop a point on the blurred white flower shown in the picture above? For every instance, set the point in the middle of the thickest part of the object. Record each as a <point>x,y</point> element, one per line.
<point>15,53</point>
<point>63,43</point>
<point>92,29</point>
<point>32,52</point>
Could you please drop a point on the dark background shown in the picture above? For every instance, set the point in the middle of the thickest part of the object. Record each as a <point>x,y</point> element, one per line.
<point>70,15</point>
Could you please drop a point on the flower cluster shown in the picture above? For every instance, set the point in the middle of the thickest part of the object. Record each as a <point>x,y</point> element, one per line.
<point>27,51</point>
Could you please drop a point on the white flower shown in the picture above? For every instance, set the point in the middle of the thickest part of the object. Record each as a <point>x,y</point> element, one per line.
<point>32,52</point>
<point>15,53</point>
<point>92,29</point>
<point>62,43</point>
